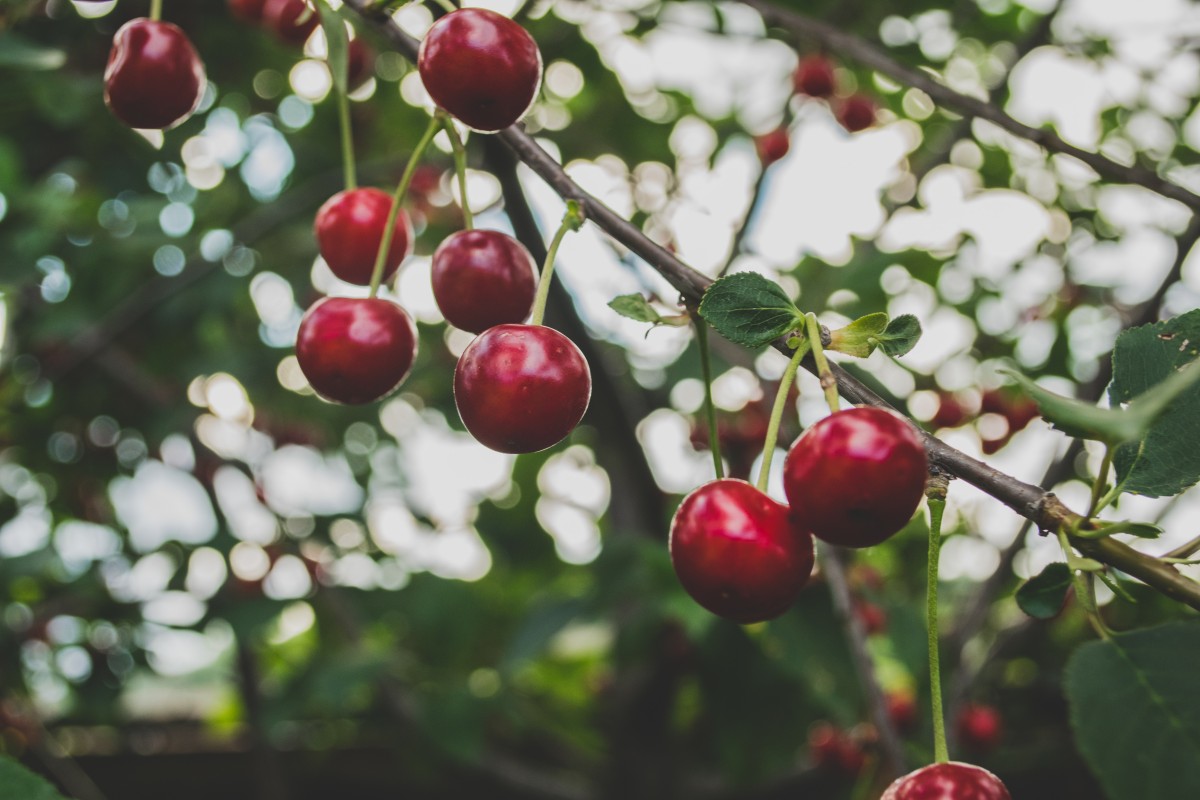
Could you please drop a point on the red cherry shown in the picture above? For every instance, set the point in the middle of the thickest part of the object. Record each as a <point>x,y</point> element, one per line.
<point>482,279</point>
<point>247,10</point>
<point>773,146</point>
<point>856,113</point>
<point>814,76</point>
<point>361,63</point>
<point>980,727</point>
<point>872,617</point>
<point>833,748</point>
<point>901,709</point>
<point>739,553</point>
<point>349,230</point>
<point>154,77</point>
<point>293,21</point>
<point>521,388</point>
<point>950,412</point>
<point>480,66</point>
<point>857,476</point>
<point>356,350</point>
<point>953,780</point>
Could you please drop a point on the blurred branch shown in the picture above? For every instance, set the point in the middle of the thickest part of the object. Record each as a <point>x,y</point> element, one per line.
<point>833,564</point>
<point>870,55</point>
<point>58,763</point>
<point>739,236</point>
<point>270,784</point>
<point>1030,501</point>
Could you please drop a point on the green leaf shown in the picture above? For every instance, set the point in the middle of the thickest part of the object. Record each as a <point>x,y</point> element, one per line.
<point>1136,713</point>
<point>1146,363</point>
<point>638,308</point>
<point>861,337</point>
<point>1077,418</point>
<point>1143,530</point>
<point>1042,596</point>
<point>901,335</point>
<point>18,782</point>
<point>20,53</point>
<point>338,45</point>
<point>749,310</point>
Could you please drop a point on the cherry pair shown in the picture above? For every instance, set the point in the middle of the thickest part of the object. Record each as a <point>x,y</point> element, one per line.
<point>852,479</point>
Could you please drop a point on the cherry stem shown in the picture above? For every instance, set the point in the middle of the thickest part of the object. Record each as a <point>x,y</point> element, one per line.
<point>1098,499</point>
<point>460,169</point>
<point>398,198</point>
<point>824,373</point>
<point>937,506</point>
<point>343,106</point>
<point>714,442</point>
<point>446,4</point>
<point>785,384</point>
<point>572,221</point>
<point>156,10</point>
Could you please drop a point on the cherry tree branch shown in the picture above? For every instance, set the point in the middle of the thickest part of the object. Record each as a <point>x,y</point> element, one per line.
<point>1028,500</point>
<point>870,55</point>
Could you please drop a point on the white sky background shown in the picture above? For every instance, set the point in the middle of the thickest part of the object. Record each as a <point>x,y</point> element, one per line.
<point>825,193</point>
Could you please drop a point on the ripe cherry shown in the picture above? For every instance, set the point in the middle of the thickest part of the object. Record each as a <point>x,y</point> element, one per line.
<point>521,388</point>
<point>901,709</point>
<point>856,113</point>
<point>154,77</point>
<point>814,76</point>
<point>871,616</point>
<point>833,748</point>
<point>953,780</point>
<point>355,350</point>
<point>482,279</point>
<point>293,21</point>
<point>480,66</point>
<point>739,553</point>
<point>950,412</point>
<point>772,147</point>
<point>979,727</point>
<point>349,229</point>
<point>247,10</point>
<point>360,63</point>
<point>857,476</point>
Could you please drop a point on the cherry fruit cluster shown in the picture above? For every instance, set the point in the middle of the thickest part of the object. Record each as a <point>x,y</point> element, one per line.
<point>518,387</point>
<point>853,479</point>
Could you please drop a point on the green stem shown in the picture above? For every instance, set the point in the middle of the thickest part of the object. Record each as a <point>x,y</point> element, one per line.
<point>398,199</point>
<point>572,221</point>
<point>1101,480</point>
<point>460,169</point>
<point>824,373</point>
<point>447,5</point>
<point>785,383</point>
<point>937,506</point>
<point>156,10</point>
<point>714,442</point>
<point>343,106</point>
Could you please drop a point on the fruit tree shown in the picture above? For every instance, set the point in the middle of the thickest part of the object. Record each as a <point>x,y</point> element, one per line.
<point>594,399</point>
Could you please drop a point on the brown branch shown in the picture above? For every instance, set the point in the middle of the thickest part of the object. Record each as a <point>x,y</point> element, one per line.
<point>1030,501</point>
<point>868,54</point>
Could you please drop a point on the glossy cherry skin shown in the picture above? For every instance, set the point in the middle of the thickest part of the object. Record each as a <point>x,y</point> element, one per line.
<point>480,66</point>
<point>856,113</point>
<point>482,279</point>
<point>349,229</point>
<point>356,350</point>
<point>521,388</point>
<point>773,146</point>
<point>247,10</point>
<point>814,76</point>
<point>293,21</point>
<point>154,77</point>
<point>738,553</point>
<point>857,476</point>
<point>953,780</point>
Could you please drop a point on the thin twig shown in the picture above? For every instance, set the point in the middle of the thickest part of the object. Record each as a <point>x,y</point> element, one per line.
<point>870,55</point>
